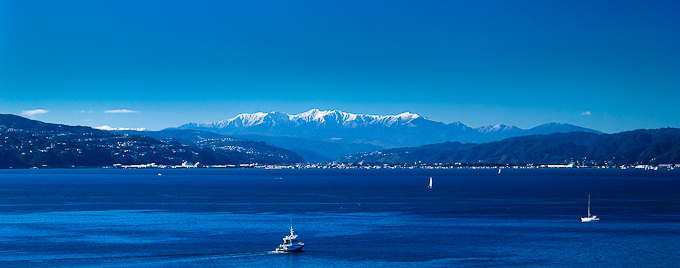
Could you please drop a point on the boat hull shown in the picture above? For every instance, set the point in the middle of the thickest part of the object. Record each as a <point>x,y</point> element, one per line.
<point>290,249</point>
<point>589,219</point>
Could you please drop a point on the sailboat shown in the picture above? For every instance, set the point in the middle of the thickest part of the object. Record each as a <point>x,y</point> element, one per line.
<point>589,218</point>
<point>430,186</point>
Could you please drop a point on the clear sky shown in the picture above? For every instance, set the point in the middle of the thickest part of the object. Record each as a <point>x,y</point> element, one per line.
<point>607,65</point>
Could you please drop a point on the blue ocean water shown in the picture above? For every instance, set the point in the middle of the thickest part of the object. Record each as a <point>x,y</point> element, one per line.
<point>357,218</point>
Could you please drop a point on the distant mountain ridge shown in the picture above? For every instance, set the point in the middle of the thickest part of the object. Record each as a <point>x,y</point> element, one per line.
<point>29,143</point>
<point>14,122</point>
<point>387,131</point>
<point>657,146</point>
<point>331,118</point>
<point>312,150</point>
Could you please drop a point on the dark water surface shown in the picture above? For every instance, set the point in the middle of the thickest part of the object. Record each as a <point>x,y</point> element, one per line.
<point>357,218</point>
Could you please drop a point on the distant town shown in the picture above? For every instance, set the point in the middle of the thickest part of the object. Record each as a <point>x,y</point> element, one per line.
<point>335,165</point>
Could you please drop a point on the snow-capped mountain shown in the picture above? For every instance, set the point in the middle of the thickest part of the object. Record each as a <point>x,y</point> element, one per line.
<point>497,128</point>
<point>388,131</point>
<point>314,117</point>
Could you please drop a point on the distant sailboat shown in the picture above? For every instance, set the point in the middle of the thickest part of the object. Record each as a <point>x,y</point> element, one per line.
<point>589,218</point>
<point>430,186</point>
<point>499,171</point>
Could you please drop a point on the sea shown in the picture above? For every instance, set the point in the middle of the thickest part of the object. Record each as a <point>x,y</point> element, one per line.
<point>346,218</point>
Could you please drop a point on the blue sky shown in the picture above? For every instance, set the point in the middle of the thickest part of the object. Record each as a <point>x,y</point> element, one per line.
<point>607,65</point>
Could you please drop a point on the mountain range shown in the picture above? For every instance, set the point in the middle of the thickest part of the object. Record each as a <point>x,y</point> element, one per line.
<point>279,138</point>
<point>386,131</point>
<point>656,146</point>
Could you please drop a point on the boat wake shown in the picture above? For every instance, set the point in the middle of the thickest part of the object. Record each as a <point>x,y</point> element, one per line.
<point>199,257</point>
<point>235,255</point>
<point>132,260</point>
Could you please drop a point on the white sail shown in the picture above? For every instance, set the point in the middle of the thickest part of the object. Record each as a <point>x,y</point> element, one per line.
<point>430,186</point>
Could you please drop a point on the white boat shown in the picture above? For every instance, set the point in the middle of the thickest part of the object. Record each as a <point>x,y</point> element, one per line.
<point>589,218</point>
<point>499,171</point>
<point>430,186</point>
<point>290,243</point>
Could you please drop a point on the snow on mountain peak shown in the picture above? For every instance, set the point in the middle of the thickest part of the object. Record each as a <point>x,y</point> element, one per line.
<point>495,128</point>
<point>314,116</point>
<point>243,120</point>
<point>407,116</point>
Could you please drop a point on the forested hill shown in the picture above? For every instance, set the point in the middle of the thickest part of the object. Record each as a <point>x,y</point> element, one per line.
<point>640,146</point>
<point>26,143</point>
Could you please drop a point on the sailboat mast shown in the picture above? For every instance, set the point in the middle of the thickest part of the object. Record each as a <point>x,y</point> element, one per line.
<point>588,205</point>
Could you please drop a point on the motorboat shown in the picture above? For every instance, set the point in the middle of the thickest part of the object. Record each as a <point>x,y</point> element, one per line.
<point>290,243</point>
